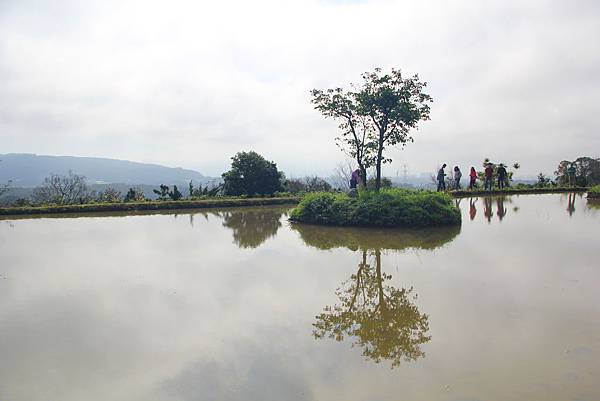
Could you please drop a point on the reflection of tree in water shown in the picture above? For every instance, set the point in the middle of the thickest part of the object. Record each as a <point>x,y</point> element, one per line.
<point>252,227</point>
<point>382,319</point>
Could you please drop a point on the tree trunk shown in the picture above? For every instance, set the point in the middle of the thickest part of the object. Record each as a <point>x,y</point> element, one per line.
<point>381,299</point>
<point>378,167</point>
<point>363,175</point>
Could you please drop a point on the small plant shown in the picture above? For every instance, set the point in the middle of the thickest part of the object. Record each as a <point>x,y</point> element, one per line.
<point>542,181</point>
<point>134,195</point>
<point>110,195</point>
<point>165,194</point>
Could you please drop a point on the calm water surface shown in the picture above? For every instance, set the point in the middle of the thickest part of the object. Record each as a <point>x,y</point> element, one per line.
<point>242,305</point>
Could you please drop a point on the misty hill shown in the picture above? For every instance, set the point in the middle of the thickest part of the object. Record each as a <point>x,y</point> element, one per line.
<point>29,170</point>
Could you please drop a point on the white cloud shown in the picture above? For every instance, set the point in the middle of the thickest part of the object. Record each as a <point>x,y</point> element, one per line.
<point>191,83</point>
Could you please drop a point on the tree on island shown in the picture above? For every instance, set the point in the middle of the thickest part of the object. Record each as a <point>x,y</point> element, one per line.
<point>252,174</point>
<point>374,116</point>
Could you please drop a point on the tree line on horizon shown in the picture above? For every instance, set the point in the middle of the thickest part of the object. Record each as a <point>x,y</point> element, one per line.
<point>381,112</point>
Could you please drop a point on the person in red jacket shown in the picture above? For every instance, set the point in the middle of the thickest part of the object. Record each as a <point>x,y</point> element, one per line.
<point>489,175</point>
<point>473,176</point>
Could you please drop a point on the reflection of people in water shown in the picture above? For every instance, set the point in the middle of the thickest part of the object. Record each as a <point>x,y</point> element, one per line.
<point>472,209</point>
<point>571,204</point>
<point>487,208</point>
<point>501,209</point>
<point>382,319</point>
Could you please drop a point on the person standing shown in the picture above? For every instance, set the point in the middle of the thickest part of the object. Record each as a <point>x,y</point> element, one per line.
<point>441,178</point>
<point>457,177</point>
<point>571,171</point>
<point>354,179</point>
<point>502,176</point>
<point>489,173</point>
<point>473,178</point>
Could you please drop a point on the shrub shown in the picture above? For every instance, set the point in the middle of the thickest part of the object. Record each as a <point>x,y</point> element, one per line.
<point>387,208</point>
<point>134,195</point>
<point>110,195</point>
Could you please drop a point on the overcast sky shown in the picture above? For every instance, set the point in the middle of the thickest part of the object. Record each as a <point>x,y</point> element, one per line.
<point>191,83</point>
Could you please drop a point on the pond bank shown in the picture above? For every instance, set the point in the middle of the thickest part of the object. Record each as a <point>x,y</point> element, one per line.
<point>147,206</point>
<point>218,203</point>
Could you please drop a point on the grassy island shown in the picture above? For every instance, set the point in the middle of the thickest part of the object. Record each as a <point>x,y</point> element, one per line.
<point>387,208</point>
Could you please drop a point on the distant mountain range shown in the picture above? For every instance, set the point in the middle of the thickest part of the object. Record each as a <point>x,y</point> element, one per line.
<point>29,170</point>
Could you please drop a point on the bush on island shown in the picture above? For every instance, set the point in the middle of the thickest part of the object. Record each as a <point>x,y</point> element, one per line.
<point>387,208</point>
<point>594,192</point>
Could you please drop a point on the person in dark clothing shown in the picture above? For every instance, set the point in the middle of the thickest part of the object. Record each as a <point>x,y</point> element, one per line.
<point>441,178</point>
<point>571,172</point>
<point>489,173</point>
<point>502,175</point>
<point>354,179</point>
<point>457,177</point>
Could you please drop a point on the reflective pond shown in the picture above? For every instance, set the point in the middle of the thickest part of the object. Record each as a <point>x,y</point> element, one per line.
<point>240,304</point>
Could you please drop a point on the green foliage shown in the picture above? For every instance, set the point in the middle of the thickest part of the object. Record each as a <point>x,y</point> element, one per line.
<point>594,192</point>
<point>385,183</point>
<point>207,191</point>
<point>481,174</point>
<point>165,194</point>
<point>147,205</point>
<point>376,115</point>
<point>134,195</point>
<point>542,181</point>
<point>586,171</point>
<point>251,174</point>
<point>308,184</point>
<point>175,194</point>
<point>387,208</point>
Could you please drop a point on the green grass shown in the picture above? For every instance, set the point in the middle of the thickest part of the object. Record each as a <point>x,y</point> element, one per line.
<point>387,208</point>
<point>147,205</point>
<point>594,192</point>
